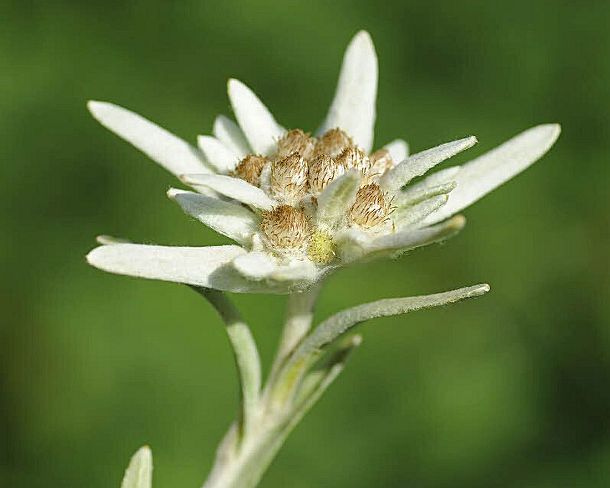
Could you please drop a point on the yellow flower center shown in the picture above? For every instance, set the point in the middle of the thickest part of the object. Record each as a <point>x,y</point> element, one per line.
<point>321,248</point>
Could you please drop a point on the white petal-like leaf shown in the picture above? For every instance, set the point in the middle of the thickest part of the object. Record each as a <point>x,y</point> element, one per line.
<point>171,152</point>
<point>139,471</point>
<point>297,270</point>
<point>232,187</point>
<point>217,154</point>
<point>229,133</point>
<point>255,120</point>
<point>336,199</point>
<point>106,239</point>
<point>411,239</point>
<point>485,173</point>
<point>356,244</point>
<point>264,180</point>
<point>209,267</point>
<point>418,164</point>
<point>293,275</point>
<point>399,150</point>
<point>409,216</point>
<point>255,265</point>
<point>411,196</point>
<point>429,183</point>
<point>353,108</point>
<point>228,218</point>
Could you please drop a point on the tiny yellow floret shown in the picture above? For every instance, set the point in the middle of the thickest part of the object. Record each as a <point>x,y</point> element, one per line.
<point>321,248</point>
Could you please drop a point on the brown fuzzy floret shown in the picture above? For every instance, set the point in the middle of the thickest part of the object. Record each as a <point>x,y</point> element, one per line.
<point>322,171</point>
<point>370,208</point>
<point>381,161</point>
<point>296,141</point>
<point>286,227</point>
<point>289,178</point>
<point>354,158</point>
<point>333,143</point>
<point>250,168</point>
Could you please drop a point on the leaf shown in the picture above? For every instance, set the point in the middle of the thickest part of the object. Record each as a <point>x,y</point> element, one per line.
<point>317,381</point>
<point>171,152</point>
<point>421,162</point>
<point>478,177</point>
<point>234,188</point>
<point>336,199</point>
<point>228,218</point>
<point>333,327</point>
<point>255,120</point>
<point>353,107</point>
<point>139,471</point>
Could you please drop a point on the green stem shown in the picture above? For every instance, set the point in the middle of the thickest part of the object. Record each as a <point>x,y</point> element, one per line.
<point>244,468</point>
<point>245,453</point>
<point>245,352</point>
<point>299,316</point>
<point>293,386</point>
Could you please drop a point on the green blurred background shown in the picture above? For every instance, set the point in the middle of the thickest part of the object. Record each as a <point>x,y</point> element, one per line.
<point>511,390</point>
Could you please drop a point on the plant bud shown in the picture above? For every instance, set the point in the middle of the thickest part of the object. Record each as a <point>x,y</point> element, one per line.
<point>322,171</point>
<point>249,168</point>
<point>370,207</point>
<point>333,143</point>
<point>286,228</point>
<point>295,141</point>
<point>289,179</point>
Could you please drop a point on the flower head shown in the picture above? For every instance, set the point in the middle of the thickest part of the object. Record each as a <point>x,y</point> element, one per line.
<point>298,205</point>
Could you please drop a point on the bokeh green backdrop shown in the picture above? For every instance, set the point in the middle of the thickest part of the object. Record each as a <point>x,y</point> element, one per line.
<point>511,390</point>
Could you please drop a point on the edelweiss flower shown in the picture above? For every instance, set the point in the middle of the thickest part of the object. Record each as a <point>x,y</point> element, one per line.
<point>300,205</point>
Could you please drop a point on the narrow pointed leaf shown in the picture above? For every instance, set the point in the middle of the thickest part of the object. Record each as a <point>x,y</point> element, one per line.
<point>208,267</point>
<point>485,173</point>
<point>335,326</point>
<point>316,382</point>
<point>337,198</point>
<point>234,188</point>
<point>354,244</point>
<point>411,196</point>
<point>398,149</point>
<point>217,155</point>
<point>228,218</point>
<point>406,217</point>
<point>171,152</point>
<point>408,239</point>
<point>353,108</point>
<point>418,164</point>
<point>229,133</point>
<point>440,177</point>
<point>106,239</point>
<point>139,471</point>
<point>257,123</point>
